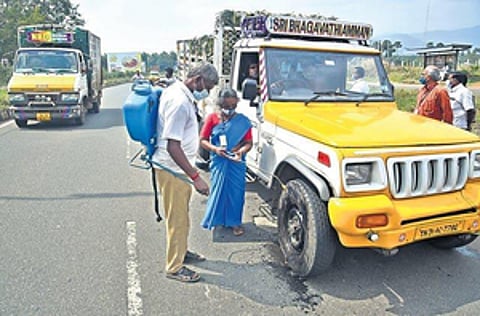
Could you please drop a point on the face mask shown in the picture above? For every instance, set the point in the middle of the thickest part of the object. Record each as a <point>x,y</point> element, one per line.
<point>448,84</point>
<point>200,95</point>
<point>423,80</point>
<point>228,112</point>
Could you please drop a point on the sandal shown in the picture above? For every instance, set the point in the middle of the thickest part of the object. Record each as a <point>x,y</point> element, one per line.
<point>191,256</point>
<point>238,230</point>
<point>184,275</point>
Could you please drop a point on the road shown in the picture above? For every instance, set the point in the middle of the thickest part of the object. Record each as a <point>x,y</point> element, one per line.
<point>78,237</point>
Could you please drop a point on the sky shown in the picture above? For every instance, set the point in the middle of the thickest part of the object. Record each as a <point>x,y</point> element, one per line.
<point>154,26</point>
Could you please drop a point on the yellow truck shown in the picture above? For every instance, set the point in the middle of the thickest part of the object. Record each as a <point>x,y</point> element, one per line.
<point>57,74</point>
<point>344,165</point>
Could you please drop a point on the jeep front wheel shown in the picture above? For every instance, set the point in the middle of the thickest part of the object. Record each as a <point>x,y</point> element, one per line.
<point>452,241</point>
<point>306,237</point>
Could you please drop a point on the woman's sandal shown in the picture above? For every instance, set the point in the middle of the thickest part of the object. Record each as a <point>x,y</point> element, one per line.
<point>184,275</point>
<point>238,230</point>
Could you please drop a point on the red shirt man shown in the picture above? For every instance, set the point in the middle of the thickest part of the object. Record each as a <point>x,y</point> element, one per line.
<point>432,100</point>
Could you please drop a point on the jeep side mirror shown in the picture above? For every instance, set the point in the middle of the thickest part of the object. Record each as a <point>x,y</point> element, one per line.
<point>249,90</point>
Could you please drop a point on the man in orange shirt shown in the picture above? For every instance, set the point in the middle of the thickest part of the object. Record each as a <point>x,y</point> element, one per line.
<point>432,100</point>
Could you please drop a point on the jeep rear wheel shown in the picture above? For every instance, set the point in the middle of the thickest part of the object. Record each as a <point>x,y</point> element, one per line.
<point>306,237</point>
<point>453,241</point>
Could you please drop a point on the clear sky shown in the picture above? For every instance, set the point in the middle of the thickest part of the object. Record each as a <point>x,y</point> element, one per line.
<point>155,25</point>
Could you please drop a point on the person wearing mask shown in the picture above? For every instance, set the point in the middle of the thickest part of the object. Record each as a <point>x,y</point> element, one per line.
<point>174,159</point>
<point>432,100</point>
<point>228,136</point>
<point>461,100</point>
<point>359,83</point>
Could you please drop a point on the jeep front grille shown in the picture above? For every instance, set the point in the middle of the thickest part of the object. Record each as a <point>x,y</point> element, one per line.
<point>426,175</point>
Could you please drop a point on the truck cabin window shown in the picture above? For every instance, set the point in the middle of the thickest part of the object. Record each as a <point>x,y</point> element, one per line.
<point>38,61</point>
<point>294,75</point>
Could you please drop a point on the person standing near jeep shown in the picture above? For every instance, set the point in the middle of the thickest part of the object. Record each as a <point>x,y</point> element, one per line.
<point>178,143</point>
<point>461,100</point>
<point>432,100</point>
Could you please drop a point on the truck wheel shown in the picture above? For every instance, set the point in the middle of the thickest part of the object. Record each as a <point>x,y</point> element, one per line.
<point>95,108</point>
<point>96,105</point>
<point>452,241</point>
<point>81,119</point>
<point>21,123</point>
<point>307,239</point>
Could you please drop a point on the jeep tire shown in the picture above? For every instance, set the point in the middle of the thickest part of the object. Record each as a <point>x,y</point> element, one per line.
<point>450,242</point>
<point>306,237</point>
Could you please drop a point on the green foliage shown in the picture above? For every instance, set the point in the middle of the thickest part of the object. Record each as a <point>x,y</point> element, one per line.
<point>406,99</point>
<point>3,99</point>
<point>14,13</point>
<point>5,74</point>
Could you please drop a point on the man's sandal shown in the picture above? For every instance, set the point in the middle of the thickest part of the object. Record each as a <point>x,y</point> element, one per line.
<point>184,275</point>
<point>191,256</point>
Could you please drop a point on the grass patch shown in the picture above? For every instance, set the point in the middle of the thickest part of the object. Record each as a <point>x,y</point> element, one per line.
<point>406,99</point>
<point>3,99</point>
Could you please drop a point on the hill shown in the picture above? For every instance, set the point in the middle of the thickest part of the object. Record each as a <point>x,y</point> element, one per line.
<point>415,40</point>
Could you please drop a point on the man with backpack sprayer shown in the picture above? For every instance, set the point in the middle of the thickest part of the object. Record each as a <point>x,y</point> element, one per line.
<point>178,143</point>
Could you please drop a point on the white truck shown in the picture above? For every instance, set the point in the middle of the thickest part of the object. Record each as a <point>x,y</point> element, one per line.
<point>345,166</point>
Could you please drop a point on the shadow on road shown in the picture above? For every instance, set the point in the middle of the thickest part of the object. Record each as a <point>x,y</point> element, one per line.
<point>107,118</point>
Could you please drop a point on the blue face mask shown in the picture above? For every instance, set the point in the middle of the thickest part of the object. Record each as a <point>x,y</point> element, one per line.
<point>228,112</point>
<point>200,95</point>
<point>422,80</point>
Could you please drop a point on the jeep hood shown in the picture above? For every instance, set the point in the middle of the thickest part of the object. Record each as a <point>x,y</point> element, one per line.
<point>41,82</point>
<point>366,125</point>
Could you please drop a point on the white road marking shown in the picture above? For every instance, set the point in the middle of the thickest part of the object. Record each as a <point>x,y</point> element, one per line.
<point>134,291</point>
<point>6,124</point>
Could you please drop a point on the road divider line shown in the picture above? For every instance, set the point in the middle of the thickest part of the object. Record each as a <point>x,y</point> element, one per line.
<point>134,290</point>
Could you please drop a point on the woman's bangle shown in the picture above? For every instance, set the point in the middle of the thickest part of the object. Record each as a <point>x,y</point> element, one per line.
<point>195,176</point>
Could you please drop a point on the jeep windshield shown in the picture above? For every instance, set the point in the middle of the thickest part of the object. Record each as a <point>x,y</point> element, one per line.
<point>318,76</point>
<point>46,61</point>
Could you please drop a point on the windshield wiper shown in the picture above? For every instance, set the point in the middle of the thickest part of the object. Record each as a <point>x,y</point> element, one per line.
<point>323,93</point>
<point>379,94</point>
<point>61,71</point>
<point>40,69</point>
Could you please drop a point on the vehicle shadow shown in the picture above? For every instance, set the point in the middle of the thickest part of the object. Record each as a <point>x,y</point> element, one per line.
<point>107,118</point>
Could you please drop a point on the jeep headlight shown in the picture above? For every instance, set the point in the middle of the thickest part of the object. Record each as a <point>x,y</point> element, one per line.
<point>16,97</point>
<point>69,97</point>
<point>364,174</point>
<point>475,164</point>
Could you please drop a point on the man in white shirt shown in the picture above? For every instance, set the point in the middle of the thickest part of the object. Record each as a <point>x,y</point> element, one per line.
<point>461,101</point>
<point>178,143</point>
<point>359,84</point>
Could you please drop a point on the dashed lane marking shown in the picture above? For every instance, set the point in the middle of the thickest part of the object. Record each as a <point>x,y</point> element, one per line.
<point>134,290</point>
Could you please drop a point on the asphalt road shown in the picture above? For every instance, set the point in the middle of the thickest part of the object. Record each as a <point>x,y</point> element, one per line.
<point>78,237</point>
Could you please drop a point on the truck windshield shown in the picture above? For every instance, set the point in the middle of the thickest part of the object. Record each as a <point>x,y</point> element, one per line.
<point>50,61</point>
<point>309,76</point>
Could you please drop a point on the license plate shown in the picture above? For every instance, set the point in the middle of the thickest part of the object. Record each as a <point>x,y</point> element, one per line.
<point>43,116</point>
<point>438,230</point>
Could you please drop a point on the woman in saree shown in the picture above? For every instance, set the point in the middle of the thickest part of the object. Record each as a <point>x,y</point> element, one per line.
<point>227,136</point>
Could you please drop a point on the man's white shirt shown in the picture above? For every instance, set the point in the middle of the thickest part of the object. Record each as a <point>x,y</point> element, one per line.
<point>177,120</point>
<point>460,101</point>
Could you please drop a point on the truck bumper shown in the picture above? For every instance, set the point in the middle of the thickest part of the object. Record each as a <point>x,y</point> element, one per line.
<point>409,220</point>
<point>46,113</point>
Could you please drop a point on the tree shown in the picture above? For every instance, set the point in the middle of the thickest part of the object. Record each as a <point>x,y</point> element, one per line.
<point>14,13</point>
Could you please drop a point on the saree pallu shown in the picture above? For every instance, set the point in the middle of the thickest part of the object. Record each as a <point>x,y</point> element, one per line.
<point>227,177</point>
